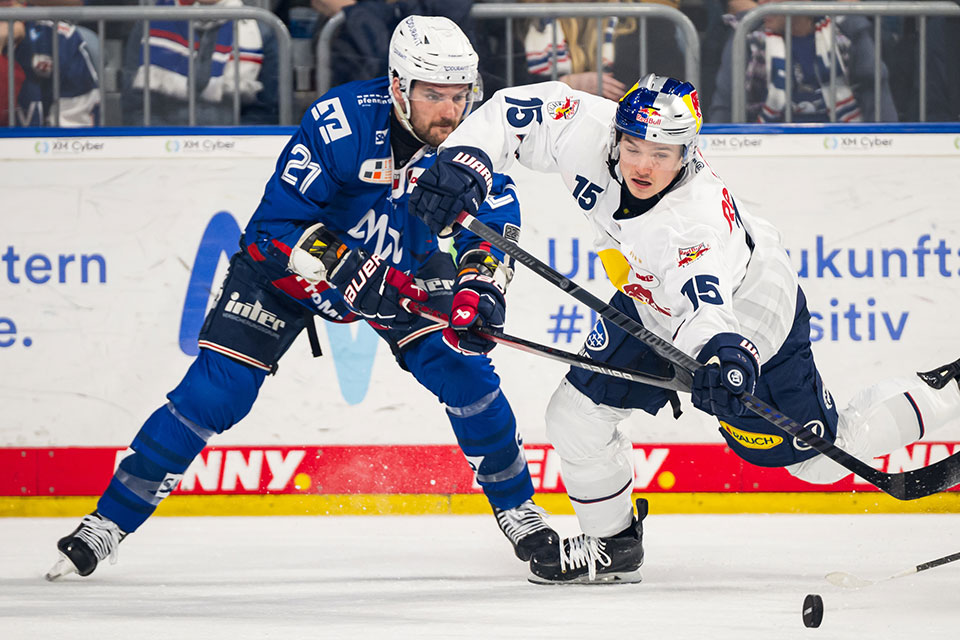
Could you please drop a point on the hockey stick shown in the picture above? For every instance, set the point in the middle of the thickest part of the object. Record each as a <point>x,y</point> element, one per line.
<point>848,581</point>
<point>907,485</point>
<point>550,353</point>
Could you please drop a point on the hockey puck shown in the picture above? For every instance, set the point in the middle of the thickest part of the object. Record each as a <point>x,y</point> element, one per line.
<point>812,610</point>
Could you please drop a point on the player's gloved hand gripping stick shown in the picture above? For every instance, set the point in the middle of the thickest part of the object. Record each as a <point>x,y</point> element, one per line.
<point>907,485</point>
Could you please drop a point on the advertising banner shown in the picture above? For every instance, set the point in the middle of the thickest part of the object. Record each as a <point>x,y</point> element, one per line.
<point>111,249</point>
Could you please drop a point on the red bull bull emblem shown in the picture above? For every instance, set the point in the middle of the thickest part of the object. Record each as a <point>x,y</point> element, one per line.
<point>566,109</point>
<point>649,115</point>
<point>639,292</point>
<point>690,254</point>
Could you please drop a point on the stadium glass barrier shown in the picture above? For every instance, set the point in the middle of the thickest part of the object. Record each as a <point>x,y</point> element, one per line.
<point>146,14</point>
<point>752,18</point>
<point>510,12</point>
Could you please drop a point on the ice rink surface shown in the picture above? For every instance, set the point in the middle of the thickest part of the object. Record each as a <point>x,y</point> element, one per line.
<point>739,577</point>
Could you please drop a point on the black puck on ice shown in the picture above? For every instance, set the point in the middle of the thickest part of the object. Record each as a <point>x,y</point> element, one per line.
<point>812,610</point>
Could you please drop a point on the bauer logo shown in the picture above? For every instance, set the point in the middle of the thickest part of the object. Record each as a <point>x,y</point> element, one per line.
<point>598,338</point>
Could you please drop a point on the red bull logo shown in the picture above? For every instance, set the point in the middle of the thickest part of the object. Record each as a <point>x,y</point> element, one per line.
<point>649,115</point>
<point>566,109</point>
<point>691,254</point>
<point>641,293</point>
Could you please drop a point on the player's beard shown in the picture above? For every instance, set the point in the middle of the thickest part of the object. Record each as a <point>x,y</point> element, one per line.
<point>433,134</point>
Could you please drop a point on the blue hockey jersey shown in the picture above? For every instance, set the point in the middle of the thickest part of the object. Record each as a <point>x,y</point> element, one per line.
<point>338,169</point>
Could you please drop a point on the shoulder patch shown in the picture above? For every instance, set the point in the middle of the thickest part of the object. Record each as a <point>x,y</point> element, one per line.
<point>687,255</point>
<point>377,171</point>
<point>565,109</point>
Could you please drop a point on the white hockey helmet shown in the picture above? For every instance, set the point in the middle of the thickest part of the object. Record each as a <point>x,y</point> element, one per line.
<point>661,109</point>
<point>432,49</point>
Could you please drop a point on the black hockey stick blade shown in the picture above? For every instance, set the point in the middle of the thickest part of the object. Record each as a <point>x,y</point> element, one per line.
<point>551,353</point>
<point>907,485</point>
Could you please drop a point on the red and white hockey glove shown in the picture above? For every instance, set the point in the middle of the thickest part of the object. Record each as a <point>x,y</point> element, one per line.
<point>478,301</point>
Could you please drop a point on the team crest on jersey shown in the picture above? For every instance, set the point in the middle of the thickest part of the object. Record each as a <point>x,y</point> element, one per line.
<point>377,171</point>
<point>563,110</point>
<point>598,338</point>
<point>649,115</point>
<point>691,254</point>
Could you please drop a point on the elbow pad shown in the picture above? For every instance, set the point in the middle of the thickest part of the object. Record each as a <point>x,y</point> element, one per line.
<point>316,253</point>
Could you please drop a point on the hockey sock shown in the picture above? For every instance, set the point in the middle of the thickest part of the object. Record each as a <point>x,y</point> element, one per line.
<point>596,459</point>
<point>480,415</point>
<point>215,394</point>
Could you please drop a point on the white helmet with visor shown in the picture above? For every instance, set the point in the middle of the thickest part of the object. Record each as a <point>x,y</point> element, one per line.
<point>432,49</point>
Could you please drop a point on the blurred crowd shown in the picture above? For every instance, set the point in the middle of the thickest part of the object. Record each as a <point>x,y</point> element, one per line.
<point>128,76</point>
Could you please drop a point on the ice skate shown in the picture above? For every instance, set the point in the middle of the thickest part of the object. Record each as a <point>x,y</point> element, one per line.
<point>95,539</point>
<point>589,560</point>
<point>939,377</point>
<point>525,529</point>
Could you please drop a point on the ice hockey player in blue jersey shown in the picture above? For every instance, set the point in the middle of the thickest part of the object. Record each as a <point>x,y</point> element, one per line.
<point>333,237</point>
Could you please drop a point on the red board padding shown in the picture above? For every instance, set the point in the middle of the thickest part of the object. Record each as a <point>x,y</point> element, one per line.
<point>416,469</point>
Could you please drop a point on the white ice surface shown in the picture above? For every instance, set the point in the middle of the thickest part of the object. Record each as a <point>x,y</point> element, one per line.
<point>739,577</point>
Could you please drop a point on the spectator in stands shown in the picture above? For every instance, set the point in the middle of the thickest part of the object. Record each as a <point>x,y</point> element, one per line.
<point>18,74</point>
<point>901,46</point>
<point>214,71</point>
<point>78,102</point>
<point>576,51</point>
<point>811,40</point>
<point>359,49</point>
<point>722,17</point>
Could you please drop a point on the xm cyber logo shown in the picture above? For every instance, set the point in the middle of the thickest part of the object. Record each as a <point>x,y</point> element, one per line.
<point>353,349</point>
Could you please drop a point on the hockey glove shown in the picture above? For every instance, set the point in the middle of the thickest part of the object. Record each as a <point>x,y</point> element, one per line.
<point>374,289</point>
<point>478,301</point>
<point>731,367</point>
<point>458,181</point>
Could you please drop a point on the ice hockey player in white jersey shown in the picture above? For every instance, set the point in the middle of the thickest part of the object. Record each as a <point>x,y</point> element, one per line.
<point>694,267</point>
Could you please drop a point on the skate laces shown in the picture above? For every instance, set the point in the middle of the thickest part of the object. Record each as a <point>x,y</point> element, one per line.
<point>521,521</point>
<point>103,536</point>
<point>584,550</point>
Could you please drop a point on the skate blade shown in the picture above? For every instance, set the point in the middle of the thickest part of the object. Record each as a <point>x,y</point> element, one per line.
<point>622,577</point>
<point>62,567</point>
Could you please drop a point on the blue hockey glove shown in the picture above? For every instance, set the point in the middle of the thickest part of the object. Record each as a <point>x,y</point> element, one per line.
<point>478,301</point>
<point>458,181</point>
<point>731,366</point>
<point>375,289</point>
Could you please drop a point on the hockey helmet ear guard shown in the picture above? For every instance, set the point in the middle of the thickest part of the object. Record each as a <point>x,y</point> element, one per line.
<point>432,49</point>
<point>661,109</point>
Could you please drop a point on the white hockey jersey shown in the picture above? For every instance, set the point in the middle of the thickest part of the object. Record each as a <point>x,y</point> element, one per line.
<point>696,264</point>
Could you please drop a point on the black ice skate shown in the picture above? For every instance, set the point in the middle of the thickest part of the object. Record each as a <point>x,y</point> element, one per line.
<point>939,377</point>
<point>525,528</point>
<point>95,539</point>
<point>588,560</point>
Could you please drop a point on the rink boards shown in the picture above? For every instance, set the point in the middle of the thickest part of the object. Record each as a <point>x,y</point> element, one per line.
<point>112,246</point>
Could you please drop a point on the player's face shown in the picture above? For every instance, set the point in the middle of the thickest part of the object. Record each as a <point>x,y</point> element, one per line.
<point>436,109</point>
<point>648,167</point>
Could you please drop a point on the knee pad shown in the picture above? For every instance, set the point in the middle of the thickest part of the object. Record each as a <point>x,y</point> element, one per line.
<point>458,381</point>
<point>216,393</point>
<point>577,427</point>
